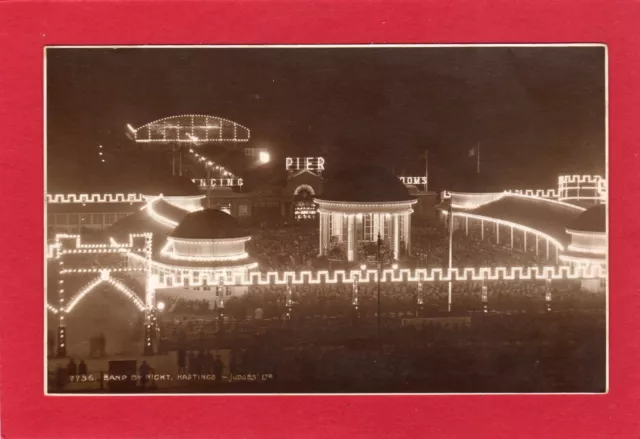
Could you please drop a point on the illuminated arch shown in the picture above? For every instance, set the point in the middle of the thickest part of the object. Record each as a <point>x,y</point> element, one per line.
<point>105,278</point>
<point>303,187</point>
<point>190,128</point>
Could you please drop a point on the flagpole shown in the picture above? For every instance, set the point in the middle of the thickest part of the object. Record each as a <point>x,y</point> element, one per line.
<point>426,169</point>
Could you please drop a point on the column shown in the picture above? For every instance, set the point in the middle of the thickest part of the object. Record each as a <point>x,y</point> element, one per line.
<point>466,225</point>
<point>396,236</point>
<point>497,233</point>
<point>547,248</point>
<point>339,218</point>
<point>536,245</point>
<point>327,231</point>
<point>350,238</point>
<point>482,229</point>
<point>320,226</point>
<point>525,240</point>
<point>511,236</point>
<point>407,233</point>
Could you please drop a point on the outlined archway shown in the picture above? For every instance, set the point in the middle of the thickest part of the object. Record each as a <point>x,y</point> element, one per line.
<point>303,206</point>
<point>104,278</point>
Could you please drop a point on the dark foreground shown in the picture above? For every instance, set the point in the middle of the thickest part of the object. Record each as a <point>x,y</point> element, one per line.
<point>528,353</point>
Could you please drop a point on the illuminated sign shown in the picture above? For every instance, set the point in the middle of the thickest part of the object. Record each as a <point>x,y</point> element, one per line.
<point>414,180</point>
<point>313,164</point>
<point>221,182</point>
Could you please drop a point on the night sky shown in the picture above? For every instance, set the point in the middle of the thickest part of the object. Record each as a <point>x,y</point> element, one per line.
<point>536,112</point>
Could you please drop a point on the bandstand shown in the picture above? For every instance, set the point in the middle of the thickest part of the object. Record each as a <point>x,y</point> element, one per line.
<point>206,247</point>
<point>358,205</point>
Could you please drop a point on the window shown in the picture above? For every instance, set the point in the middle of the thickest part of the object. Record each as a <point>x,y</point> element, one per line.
<point>243,210</point>
<point>73,219</point>
<point>51,219</point>
<point>61,219</point>
<point>109,218</point>
<point>97,218</point>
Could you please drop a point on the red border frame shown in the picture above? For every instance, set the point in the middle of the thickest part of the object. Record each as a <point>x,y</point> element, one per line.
<point>26,28</point>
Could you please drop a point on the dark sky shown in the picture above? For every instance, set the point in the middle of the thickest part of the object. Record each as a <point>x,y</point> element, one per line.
<point>537,112</point>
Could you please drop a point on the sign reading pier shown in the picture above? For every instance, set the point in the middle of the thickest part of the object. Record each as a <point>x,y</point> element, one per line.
<point>313,164</point>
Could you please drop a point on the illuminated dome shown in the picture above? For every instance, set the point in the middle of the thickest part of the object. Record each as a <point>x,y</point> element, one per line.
<point>593,220</point>
<point>365,184</point>
<point>208,224</point>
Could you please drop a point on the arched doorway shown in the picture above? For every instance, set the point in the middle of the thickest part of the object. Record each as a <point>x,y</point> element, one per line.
<point>304,209</point>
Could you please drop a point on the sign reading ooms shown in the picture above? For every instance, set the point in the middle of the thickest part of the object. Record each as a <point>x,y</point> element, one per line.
<point>314,164</point>
<point>413,180</point>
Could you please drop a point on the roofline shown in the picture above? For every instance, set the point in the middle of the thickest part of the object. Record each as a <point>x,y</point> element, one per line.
<point>244,238</point>
<point>189,115</point>
<point>366,203</point>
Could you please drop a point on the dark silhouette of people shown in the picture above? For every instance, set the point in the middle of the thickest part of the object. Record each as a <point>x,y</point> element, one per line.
<point>209,362</point>
<point>144,374</point>
<point>232,363</point>
<point>82,368</point>
<point>72,367</point>
<point>192,362</point>
<point>200,360</point>
<point>218,367</point>
<point>182,361</point>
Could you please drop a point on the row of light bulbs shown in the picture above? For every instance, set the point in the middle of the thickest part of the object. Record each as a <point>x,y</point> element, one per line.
<point>213,165</point>
<point>593,271</point>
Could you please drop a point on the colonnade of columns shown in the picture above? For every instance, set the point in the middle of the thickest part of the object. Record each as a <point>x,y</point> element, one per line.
<point>495,229</point>
<point>352,229</point>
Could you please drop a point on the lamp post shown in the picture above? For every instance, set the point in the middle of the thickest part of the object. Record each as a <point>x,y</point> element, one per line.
<point>381,254</point>
<point>449,297</point>
<point>485,298</point>
<point>289,300</point>
<point>547,295</point>
<point>354,299</point>
<point>420,298</point>
<point>220,293</point>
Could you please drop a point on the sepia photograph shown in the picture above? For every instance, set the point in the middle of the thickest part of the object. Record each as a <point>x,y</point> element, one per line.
<point>348,219</point>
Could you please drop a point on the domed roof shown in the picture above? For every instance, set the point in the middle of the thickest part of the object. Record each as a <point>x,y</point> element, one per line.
<point>208,224</point>
<point>593,219</point>
<point>365,184</point>
<point>170,186</point>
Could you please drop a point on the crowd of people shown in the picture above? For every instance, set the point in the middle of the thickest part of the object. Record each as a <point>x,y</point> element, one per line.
<point>282,249</point>
<point>296,248</point>
<point>179,305</point>
<point>315,337</point>
<point>515,352</point>
<point>472,248</point>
